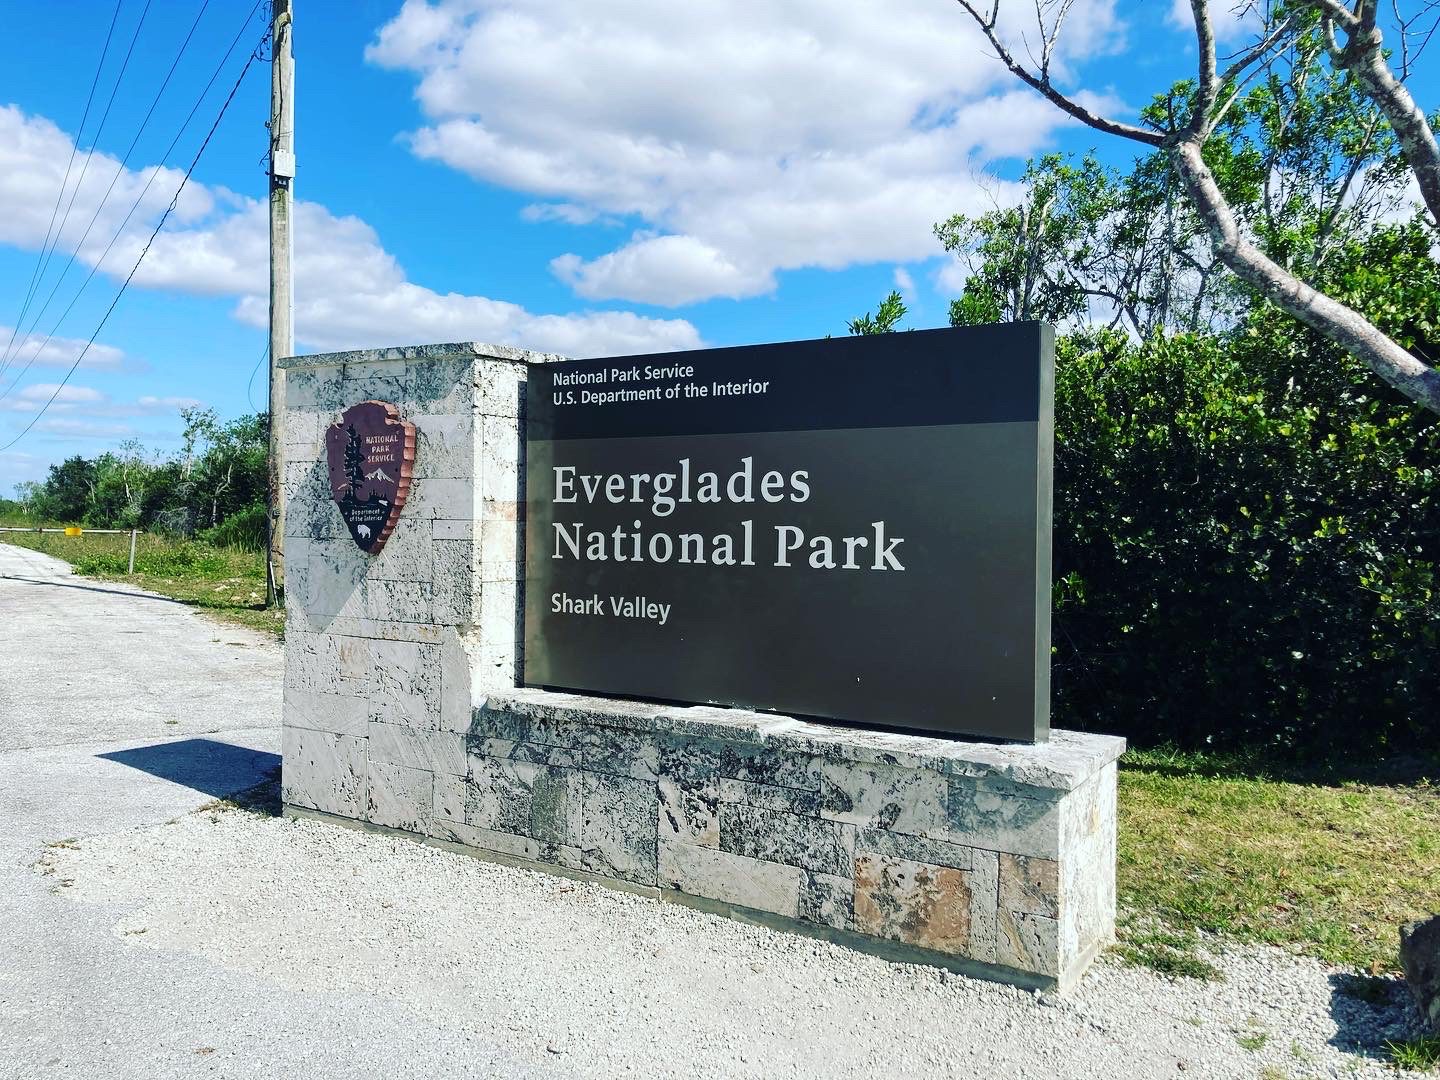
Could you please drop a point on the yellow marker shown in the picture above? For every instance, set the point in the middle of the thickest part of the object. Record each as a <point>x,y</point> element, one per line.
<point>74,530</point>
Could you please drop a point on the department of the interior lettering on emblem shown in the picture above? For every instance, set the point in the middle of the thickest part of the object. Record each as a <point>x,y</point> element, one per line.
<point>371,454</point>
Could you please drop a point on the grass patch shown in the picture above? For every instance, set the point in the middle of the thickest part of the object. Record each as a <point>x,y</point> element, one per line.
<point>1162,948</point>
<point>262,799</point>
<point>1252,1040</point>
<point>228,583</point>
<point>1421,1055</point>
<point>1326,865</point>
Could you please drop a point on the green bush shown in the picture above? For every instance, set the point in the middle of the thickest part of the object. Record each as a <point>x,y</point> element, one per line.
<point>243,530</point>
<point>1247,530</point>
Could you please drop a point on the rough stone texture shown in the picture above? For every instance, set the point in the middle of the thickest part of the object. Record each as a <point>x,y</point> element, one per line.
<point>1420,957</point>
<point>386,654</point>
<point>401,710</point>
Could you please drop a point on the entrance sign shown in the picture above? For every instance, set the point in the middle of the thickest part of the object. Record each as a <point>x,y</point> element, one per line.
<point>856,529</point>
<point>371,454</point>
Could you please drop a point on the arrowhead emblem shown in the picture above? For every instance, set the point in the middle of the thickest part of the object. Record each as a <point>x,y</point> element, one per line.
<point>371,453</point>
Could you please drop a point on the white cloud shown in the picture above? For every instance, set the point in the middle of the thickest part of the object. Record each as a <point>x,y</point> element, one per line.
<point>951,277</point>
<point>748,136</point>
<point>167,404</point>
<point>83,429</point>
<point>669,270</point>
<point>904,282</point>
<point>349,291</point>
<point>34,350</point>
<point>70,394</point>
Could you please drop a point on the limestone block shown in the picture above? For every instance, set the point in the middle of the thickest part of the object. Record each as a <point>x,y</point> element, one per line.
<point>399,798</point>
<point>444,445</point>
<point>495,668</point>
<point>397,601</point>
<point>500,388</point>
<point>689,814</point>
<point>828,900</point>
<point>370,629</point>
<point>311,663</point>
<point>1029,886</point>
<point>758,766</point>
<point>316,388</point>
<point>377,387</point>
<point>619,831</point>
<point>457,702</point>
<point>501,443</point>
<point>327,583</point>
<point>452,529</point>
<point>787,800</point>
<point>448,798</point>
<point>440,497</point>
<point>341,714</point>
<point>1087,846</point>
<point>883,796</point>
<point>914,848</point>
<point>304,429</point>
<point>534,752</point>
<point>456,577</point>
<point>427,750</point>
<point>916,903</point>
<point>619,753</point>
<point>1002,816</point>
<point>1028,942</point>
<point>500,614</point>
<point>557,806</point>
<point>499,795</point>
<point>406,555</point>
<point>323,771</point>
<point>730,878</point>
<point>984,906</point>
<point>502,544</point>
<point>512,844</point>
<point>441,386</point>
<point>407,689</point>
<point>824,847</point>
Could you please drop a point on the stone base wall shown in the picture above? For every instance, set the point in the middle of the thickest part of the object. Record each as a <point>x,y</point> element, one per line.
<point>401,712</point>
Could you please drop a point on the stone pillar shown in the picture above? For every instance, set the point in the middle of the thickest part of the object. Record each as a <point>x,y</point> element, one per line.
<point>385,655</point>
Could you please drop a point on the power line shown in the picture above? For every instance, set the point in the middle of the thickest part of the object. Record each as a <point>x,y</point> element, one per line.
<point>64,183</point>
<point>135,205</point>
<point>120,171</point>
<point>95,141</point>
<point>250,384</point>
<point>254,55</point>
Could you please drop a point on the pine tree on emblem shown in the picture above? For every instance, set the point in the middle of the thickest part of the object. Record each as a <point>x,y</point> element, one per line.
<point>354,463</point>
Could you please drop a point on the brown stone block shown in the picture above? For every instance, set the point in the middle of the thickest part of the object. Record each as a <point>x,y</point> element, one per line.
<point>1030,885</point>
<point>917,903</point>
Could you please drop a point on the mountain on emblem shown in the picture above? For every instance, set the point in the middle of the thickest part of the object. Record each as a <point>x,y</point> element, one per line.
<point>370,452</point>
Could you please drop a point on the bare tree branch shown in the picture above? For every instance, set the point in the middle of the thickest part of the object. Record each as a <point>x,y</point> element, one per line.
<point>1347,328</point>
<point>1363,56</point>
<point>1042,84</point>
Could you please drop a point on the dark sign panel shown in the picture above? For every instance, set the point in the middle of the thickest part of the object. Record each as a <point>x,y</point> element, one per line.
<point>856,528</point>
<point>370,452</point>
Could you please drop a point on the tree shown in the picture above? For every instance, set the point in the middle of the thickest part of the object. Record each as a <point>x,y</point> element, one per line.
<point>1181,125</point>
<point>354,462</point>
<point>891,310</point>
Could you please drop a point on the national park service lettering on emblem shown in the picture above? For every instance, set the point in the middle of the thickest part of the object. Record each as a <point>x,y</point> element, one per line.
<point>371,454</point>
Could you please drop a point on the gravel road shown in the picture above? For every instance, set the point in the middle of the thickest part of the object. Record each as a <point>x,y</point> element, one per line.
<point>158,939</point>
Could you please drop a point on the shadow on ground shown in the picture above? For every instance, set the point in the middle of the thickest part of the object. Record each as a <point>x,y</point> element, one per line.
<point>215,768</point>
<point>1371,1010</point>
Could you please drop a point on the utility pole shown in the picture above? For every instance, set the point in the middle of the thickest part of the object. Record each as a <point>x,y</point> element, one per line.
<point>282,305</point>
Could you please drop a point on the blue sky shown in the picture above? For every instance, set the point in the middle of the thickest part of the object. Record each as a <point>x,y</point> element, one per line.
<point>592,179</point>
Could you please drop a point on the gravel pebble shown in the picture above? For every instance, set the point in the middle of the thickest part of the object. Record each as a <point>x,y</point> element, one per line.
<point>602,983</point>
